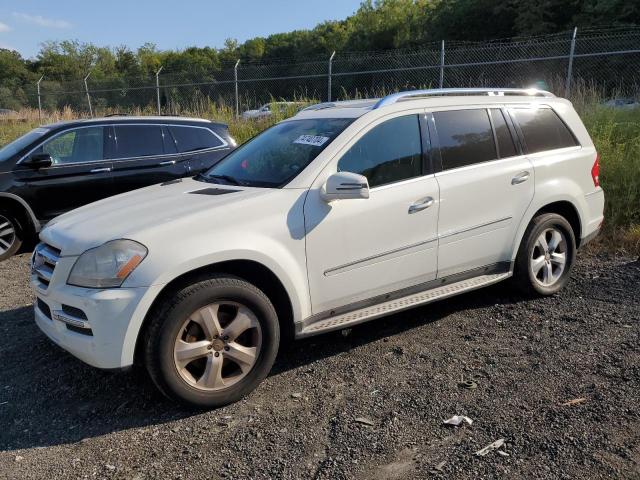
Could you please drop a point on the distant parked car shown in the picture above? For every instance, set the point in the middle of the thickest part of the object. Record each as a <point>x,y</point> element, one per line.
<point>267,109</point>
<point>623,103</point>
<point>59,167</point>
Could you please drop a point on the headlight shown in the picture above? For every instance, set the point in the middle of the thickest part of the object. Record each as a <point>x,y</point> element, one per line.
<point>108,265</point>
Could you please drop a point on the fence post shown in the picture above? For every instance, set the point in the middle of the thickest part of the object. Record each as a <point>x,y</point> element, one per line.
<point>442,65</point>
<point>235,81</point>
<point>330,67</point>
<point>567,88</point>
<point>158,89</point>
<point>86,89</point>
<point>39,101</point>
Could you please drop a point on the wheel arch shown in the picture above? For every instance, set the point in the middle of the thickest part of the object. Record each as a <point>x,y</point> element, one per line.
<point>252,271</point>
<point>19,205</point>
<point>564,207</point>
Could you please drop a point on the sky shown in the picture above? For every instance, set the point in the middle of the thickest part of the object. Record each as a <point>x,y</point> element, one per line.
<point>177,24</point>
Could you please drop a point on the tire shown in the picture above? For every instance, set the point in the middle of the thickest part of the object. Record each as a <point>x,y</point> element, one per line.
<point>182,325</point>
<point>11,234</point>
<point>541,272</point>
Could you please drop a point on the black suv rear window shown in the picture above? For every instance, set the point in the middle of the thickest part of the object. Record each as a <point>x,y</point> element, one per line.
<point>543,130</point>
<point>191,139</point>
<point>138,141</point>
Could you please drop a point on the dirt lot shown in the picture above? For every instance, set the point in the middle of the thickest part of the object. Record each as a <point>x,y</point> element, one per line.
<point>402,374</point>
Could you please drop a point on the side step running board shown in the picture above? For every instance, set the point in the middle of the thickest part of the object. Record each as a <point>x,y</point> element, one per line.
<point>354,317</point>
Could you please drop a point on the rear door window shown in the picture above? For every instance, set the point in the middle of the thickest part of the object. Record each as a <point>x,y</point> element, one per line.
<point>465,137</point>
<point>543,130</point>
<point>506,147</point>
<point>138,141</point>
<point>192,139</point>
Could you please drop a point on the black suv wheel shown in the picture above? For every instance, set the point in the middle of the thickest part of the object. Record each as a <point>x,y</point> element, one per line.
<point>11,234</point>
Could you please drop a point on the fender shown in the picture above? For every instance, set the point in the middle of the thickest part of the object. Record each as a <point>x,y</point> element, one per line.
<point>25,205</point>
<point>285,269</point>
<point>547,193</point>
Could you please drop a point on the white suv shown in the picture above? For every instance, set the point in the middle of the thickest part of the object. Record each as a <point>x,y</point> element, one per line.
<point>344,213</point>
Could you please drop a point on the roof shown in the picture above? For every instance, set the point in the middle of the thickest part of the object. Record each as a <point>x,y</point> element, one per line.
<point>130,119</point>
<point>417,98</point>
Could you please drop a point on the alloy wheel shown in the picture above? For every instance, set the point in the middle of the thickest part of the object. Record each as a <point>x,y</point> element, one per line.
<point>549,257</point>
<point>218,345</point>
<point>7,234</point>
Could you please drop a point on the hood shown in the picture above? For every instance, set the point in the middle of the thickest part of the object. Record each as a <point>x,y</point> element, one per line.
<point>142,212</point>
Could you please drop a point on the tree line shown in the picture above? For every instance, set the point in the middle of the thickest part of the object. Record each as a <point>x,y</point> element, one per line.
<point>376,25</point>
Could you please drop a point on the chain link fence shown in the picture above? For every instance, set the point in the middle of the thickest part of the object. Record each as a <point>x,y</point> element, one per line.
<point>607,59</point>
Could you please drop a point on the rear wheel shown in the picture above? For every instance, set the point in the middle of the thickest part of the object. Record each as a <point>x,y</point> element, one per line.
<point>546,255</point>
<point>212,342</point>
<point>11,235</point>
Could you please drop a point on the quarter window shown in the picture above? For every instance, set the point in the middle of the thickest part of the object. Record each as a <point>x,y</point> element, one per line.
<point>76,146</point>
<point>543,130</point>
<point>506,147</point>
<point>138,141</point>
<point>191,139</point>
<point>465,137</point>
<point>388,153</point>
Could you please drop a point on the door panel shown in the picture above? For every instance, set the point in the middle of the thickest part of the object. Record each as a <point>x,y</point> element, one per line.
<point>79,174</point>
<point>480,211</point>
<point>483,197</point>
<point>358,249</point>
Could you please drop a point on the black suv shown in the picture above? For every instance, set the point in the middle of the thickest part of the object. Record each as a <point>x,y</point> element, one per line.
<point>59,167</point>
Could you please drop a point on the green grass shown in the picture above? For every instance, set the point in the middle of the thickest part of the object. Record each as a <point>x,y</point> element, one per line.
<point>615,132</point>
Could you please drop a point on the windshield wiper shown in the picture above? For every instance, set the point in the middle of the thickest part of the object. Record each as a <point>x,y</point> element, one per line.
<point>226,178</point>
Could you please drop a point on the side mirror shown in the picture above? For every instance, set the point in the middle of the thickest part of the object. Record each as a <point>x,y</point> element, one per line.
<point>345,185</point>
<point>38,160</point>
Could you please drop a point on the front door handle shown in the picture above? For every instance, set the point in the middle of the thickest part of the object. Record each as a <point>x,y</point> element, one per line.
<point>520,178</point>
<point>168,162</point>
<point>101,170</point>
<point>421,205</point>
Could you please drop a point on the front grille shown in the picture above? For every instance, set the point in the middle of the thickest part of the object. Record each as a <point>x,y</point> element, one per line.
<point>45,259</point>
<point>74,312</point>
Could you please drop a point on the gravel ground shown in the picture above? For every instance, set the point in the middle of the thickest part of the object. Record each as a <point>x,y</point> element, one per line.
<point>367,405</point>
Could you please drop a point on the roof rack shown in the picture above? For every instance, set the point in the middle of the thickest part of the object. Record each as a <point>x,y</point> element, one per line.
<point>436,92</point>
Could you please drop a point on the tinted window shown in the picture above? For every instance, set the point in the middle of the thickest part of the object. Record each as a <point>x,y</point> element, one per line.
<point>190,139</point>
<point>465,137</point>
<point>388,153</point>
<point>138,141</point>
<point>76,146</point>
<point>278,154</point>
<point>543,130</point>
<point>168,141</point>
<point>506,147</point>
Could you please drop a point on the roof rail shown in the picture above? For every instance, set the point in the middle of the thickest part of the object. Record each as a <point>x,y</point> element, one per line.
<point>435,92</point>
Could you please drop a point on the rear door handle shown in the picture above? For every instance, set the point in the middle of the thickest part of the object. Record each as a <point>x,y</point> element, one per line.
<point>421,205</point>
<point>520,178</point>
<point>101,170</point>
<point>168,162</point>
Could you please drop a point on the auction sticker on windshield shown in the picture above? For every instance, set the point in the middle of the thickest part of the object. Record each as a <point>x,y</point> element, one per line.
<point>314,140</point>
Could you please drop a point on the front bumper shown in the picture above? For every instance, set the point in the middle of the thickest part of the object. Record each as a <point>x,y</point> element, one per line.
<point>99,326</point>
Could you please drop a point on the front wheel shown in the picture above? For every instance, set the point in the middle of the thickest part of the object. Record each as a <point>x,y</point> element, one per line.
<point>212,342</point>
<point>546,255</point>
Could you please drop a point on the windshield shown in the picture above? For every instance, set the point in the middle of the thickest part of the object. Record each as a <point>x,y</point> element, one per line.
<point>276,156</point>
<point>24,141</point>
